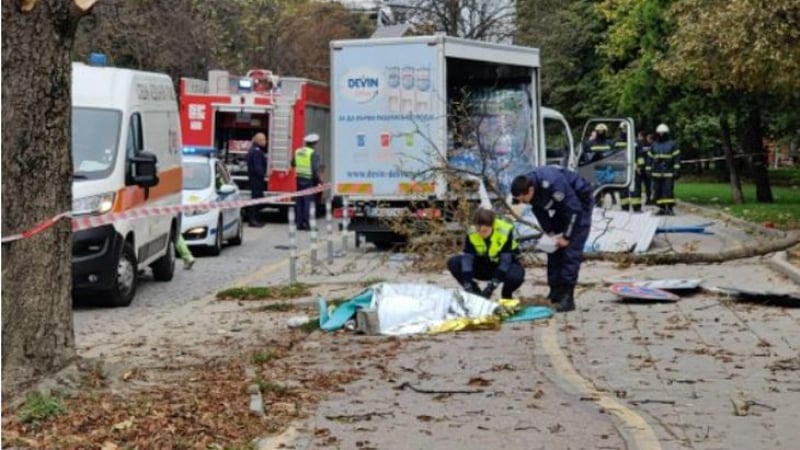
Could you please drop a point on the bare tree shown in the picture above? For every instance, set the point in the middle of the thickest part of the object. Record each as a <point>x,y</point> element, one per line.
<point>485,20</point>
<point>38,335</point>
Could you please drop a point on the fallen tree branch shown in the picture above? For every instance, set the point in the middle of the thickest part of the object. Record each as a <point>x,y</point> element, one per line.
<point>645,401</point>
<point>746,251</point>
<point>358,417</point>
<point>435,391</point>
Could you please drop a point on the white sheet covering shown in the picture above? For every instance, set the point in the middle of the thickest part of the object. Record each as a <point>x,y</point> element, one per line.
<point>414,308</point>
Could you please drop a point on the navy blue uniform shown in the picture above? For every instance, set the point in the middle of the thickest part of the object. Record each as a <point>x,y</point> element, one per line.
<point>664,164</point>
<point>256,175</point>
<point>633,196</point>
<point>469,265</point>
<point>568,196</point>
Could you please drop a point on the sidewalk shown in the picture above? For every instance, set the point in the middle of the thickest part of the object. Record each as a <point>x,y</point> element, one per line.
<point>706,372</point>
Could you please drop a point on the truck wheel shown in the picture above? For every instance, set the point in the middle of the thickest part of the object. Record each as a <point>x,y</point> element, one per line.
<point>124,287</point>
<point>237,240</point>
<point>216,249</point>
<point>383,245</point>
<point>164,267</point>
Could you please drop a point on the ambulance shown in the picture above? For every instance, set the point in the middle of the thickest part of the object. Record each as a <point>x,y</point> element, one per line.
<point>126,155</point>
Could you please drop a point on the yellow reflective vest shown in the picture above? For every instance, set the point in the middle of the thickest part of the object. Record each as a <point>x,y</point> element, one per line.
<point>302,163</point>
<point>501,233</point>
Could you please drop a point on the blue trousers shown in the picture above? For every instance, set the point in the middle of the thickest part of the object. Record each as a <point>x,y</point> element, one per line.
<point>484,270</point>
<point>302,204</point>
<point>564,264</point>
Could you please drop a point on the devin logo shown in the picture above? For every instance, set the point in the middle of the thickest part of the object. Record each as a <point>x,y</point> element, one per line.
<point>361,85</point>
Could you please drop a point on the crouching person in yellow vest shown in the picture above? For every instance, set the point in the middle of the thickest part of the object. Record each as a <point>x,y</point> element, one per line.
<point>490,254</point>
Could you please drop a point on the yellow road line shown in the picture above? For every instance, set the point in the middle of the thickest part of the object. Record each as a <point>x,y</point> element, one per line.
<point>636,427</point>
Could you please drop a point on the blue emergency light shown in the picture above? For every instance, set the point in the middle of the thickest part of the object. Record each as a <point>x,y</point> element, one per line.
<point>98,59</point>
<point>200,151</point>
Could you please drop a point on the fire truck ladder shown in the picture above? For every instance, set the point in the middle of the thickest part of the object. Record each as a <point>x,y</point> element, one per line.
<point>280,130</point>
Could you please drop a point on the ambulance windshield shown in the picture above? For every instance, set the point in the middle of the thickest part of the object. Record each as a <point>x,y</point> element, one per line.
<point>95,142</point>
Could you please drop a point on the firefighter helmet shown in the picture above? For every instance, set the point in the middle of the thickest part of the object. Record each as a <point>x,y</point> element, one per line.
<point>601,127</point>
<point>311,138</point>
<point>662,129</point>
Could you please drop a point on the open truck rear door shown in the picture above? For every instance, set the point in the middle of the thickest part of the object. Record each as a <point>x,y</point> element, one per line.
<point>605,155</point>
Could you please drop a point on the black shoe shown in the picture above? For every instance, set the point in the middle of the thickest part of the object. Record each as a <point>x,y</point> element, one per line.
<point>255,224</point>
<point>554,294</point>
<point>637,209</point>
<point>661,212</point>
<point>566,301</point>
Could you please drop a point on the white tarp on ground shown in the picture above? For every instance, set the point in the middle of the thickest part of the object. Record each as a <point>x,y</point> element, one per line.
<point>415,308</point>
<point>612,231</point>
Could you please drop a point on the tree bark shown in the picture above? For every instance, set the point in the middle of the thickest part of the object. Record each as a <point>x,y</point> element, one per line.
<point>727,147</point>
<point>752,140</point>
<point>38,335</point>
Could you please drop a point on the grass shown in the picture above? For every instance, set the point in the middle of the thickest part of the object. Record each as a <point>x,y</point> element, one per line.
<point>277,307</point>
<point>270,386</point>
<point>784,213</point>
<point>262,357</point>
<point>277,292</point>
<point>40,407</point>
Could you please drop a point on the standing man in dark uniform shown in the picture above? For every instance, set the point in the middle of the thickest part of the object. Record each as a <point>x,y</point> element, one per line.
<point>664,164</point>
<point>490,254</point>
<point>306,164</point>
<point>568,196</point>
<point>256,175</point>
<point>633,197</point>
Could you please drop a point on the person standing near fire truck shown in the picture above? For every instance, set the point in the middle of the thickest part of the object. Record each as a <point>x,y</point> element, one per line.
<point>256,174</point>
<point>306,164</point>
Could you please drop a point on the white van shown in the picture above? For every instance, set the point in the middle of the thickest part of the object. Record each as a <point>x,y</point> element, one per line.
<point>126,154</point>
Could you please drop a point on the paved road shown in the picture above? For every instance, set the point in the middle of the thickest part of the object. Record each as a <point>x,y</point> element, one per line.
<point>209,275</point>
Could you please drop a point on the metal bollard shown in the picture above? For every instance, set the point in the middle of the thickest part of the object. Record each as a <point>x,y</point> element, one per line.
<point>312,222</point>
<point>345,222</point>
<point>292,247</point>
<point>329,229</point>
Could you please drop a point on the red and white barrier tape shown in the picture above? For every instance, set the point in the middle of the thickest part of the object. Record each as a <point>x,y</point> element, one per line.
<point>87,222</point>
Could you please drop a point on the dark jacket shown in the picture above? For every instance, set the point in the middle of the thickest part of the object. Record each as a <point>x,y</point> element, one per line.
<point>566,195</point>
<point>256,163</point>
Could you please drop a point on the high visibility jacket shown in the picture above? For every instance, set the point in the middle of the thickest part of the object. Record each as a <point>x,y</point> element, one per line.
<point>303,163</point>
<point>501,233</point>
<point>663,159</point>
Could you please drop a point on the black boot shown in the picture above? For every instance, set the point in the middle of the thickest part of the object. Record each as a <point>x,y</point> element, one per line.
<point>554,294</point>
<point>637,208</point>
<point>566,301</point>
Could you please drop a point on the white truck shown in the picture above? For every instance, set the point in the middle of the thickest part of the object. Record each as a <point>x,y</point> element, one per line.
<point>408,112</point>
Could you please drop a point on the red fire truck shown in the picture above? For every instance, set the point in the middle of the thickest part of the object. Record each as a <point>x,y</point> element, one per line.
<point>226,111</point>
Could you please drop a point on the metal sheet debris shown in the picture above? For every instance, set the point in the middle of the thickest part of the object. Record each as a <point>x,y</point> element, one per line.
<point>621,231</point>
<point>629,291</point>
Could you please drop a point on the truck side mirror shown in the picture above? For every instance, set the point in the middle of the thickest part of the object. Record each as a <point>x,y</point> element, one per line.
<point>142,170</point>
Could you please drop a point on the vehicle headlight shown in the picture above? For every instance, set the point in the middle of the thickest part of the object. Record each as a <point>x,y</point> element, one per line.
<point>93,204</point>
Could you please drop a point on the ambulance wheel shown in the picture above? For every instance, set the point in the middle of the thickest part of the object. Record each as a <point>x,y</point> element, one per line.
<point>124,287</point>
<point>216,249</point>
<point>239,234</point>
<point>164,267</point>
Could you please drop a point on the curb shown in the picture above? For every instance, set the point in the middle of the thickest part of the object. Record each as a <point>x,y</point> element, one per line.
<point>780,263</point>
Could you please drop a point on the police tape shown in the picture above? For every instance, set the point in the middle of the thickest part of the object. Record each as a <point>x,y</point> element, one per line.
<point>87,222</point>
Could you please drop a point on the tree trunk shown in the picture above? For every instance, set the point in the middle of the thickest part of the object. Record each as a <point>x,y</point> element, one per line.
<point>727,147</point>
<point>38,335</point>
<point>752,140</point>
